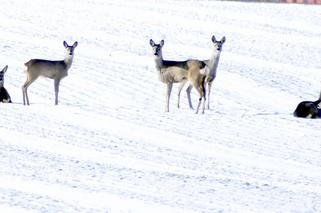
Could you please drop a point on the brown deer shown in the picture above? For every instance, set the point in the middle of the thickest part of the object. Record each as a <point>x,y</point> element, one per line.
<point>177,71</point>
<point>55,70</point>
<point>212,65</point>
<point>197,73</point>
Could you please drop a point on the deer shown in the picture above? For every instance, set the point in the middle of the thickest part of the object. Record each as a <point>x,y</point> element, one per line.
<point>308,109</point>
<point>171,72</point>
<point>212,65</point>
<point>4,95</point>
<point>55,70</point>
<point>196,77</point>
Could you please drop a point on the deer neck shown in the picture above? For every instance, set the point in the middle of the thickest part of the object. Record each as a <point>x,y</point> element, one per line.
<point>213,62</point>
<point>68,61</point>
<point>159,63</point>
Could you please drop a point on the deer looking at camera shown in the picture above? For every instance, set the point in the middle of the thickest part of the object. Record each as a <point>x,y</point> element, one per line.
<point>212,65</point>
<point>55,70</point>
<point>179,71</point>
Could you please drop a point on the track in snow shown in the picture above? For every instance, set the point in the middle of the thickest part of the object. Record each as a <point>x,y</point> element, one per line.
<point>109,147</point>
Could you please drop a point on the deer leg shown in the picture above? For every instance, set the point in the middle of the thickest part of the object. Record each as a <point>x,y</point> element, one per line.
<point>199,100</point>
<point>198,105</point>
<point>204,95</point>
<point>201,91</point>
<point>23,96</point>
<point>182,84</point>
<point>168,94</point>
<point>24,93</point>
<point>24,90</point>
<point>209,91</point>
<point>188,91</point>
<point>56,83</point>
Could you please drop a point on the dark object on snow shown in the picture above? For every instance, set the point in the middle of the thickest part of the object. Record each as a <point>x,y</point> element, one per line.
<point>308,109</point>
<point>4,95</point>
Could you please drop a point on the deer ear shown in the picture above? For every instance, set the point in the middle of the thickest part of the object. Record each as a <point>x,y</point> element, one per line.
<point>151,42</point>
<point>65,44</point>
<point>213,39</point>
<point>75,44</point>
<point>162,43</point>
<point>5,69</point>
<point>223,39</point>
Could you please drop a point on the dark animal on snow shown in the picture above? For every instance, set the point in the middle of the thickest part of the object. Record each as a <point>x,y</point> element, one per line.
<point>308,109</point>
<point>4,95</point>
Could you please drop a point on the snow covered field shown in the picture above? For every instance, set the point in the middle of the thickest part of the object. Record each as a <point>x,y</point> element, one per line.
<point>110,147</point>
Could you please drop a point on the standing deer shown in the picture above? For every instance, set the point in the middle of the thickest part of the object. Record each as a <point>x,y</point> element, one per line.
<point>169,71</point>
<point>4,95</point>
<point>55,70</point>
<point>197,73</point>
<point>212,65</point>
<point>172,71</point>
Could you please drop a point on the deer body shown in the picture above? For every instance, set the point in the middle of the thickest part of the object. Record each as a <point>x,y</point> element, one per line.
<point>308,109</point>
<point>178,71</point>
<point>4,95</point>
<point>169,72</point>
<point>212,65</point>
<point>48,69</point>
<point>196,77</point>
<point>55,70</point>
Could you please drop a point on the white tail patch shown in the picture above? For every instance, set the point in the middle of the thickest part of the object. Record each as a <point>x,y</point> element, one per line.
<point>309,116</point>
<point>205,71</point>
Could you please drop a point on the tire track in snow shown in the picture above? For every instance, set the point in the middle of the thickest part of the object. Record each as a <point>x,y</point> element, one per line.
<point>225,160</point>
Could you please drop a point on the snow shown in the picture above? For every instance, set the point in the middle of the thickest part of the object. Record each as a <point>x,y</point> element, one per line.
<point>110,147</point>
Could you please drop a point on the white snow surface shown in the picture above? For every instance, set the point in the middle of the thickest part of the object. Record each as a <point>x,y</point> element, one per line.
<point>110,147</point>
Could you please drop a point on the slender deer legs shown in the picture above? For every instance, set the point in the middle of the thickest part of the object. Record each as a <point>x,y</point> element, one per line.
<point>56,83</point>
<point>181,85</point>
<point>55,70</point>
<point>202,96</point>
<point>25,86</point>
<point>168,94</point>
<point>212,65</point>
<point>188,92</point>
<point>209,87</point>
<point>196,77</point>
<point>178,72</point>
<point>169,72</point>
